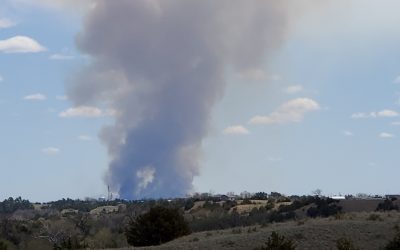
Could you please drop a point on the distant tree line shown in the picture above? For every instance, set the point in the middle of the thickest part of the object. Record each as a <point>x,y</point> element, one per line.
<point>11,205</point>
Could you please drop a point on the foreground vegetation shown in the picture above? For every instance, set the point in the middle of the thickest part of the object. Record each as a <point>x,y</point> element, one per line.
<point>91,224</point>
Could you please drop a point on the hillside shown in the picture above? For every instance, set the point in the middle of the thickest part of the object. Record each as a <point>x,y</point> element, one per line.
<point>215,223</point>
<point>366,231</point>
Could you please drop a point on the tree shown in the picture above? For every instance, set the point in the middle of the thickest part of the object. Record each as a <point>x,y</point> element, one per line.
<point>317,192</point>
<point>157,226</point>
<point>260,196</point>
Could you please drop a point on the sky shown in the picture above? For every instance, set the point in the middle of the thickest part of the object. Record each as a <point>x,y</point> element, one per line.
<point>321,111</point>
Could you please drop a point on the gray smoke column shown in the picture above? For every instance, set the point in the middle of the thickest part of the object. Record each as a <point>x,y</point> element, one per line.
<point>160,64</point>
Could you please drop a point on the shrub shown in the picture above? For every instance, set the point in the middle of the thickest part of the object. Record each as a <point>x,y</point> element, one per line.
<point>195,239</point>
<point>324,208</point>
<point>237,231</point>
<point>157,226</point>
<point>387,205</point>
<point>189,204</point>
<point>345,244</point>
<point>375,217</point>
<point>246,202</point>
<point>278,242</point>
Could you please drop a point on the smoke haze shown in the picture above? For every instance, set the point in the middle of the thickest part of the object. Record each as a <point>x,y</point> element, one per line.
<point>161,66</point>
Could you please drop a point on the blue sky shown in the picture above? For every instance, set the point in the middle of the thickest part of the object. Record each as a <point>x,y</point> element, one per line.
<point>327,102</point>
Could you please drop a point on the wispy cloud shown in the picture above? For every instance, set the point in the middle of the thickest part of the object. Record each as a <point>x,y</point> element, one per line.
<point>397,79</point>
<point>383,113</point>
<point>84,138</point>
<point>6,23</point>
<point>293,89</point>
<point>20,44</point>
<point>86,111</point>
<point>347,133</point>
<point>236,130</point>
<point>61,57</point>
<point>62,97</point>
<point>388,113</point>
<point>274,159</point>
<point>385,135</point>
<point>292,111</point>
<point>35,97</point>
<point>396,123</point>
<point>1,78</point>
<point>51,151</point>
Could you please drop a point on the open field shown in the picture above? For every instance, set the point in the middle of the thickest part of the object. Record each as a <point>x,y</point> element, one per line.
<point>320,233</point>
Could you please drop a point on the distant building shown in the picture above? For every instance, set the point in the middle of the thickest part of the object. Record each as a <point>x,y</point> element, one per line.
<point>338,197</point>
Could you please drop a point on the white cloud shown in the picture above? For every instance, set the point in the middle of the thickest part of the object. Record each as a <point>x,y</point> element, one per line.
<point>236,130</point>
<point>396,123</point>
<point>6,23</point>
<point>51,151</point>
<point>348,133</point>
<point>388,113</point>
<point>386,135</point>
<point>62,97</point>
<point>361,115</point>
<point>61,57</point>
<point>292,111</point>
<point>397,80</point>
<point>383,113</point>
<point>35,97</point>
<point>86,111</point>
<point>293,89</point>
<point>1,78</point>
<point>20,44</point>
<point>84,138</point>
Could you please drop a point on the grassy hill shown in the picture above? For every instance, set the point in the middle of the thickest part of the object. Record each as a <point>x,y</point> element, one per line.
<point>366,230</point>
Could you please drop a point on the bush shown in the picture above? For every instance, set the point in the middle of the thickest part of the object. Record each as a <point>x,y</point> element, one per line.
<point>246,202</point>
<point>157,226</point>
<point>278,242</point>
<point>324,208</point>
<point>345,244</point>
<point>387,205</point>
<point>375,217</point>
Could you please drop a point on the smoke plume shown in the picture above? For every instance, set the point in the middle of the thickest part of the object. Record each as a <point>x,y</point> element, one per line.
<point>161,65</point>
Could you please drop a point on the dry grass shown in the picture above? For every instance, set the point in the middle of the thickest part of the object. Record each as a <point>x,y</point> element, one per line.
<point>308,234</point>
